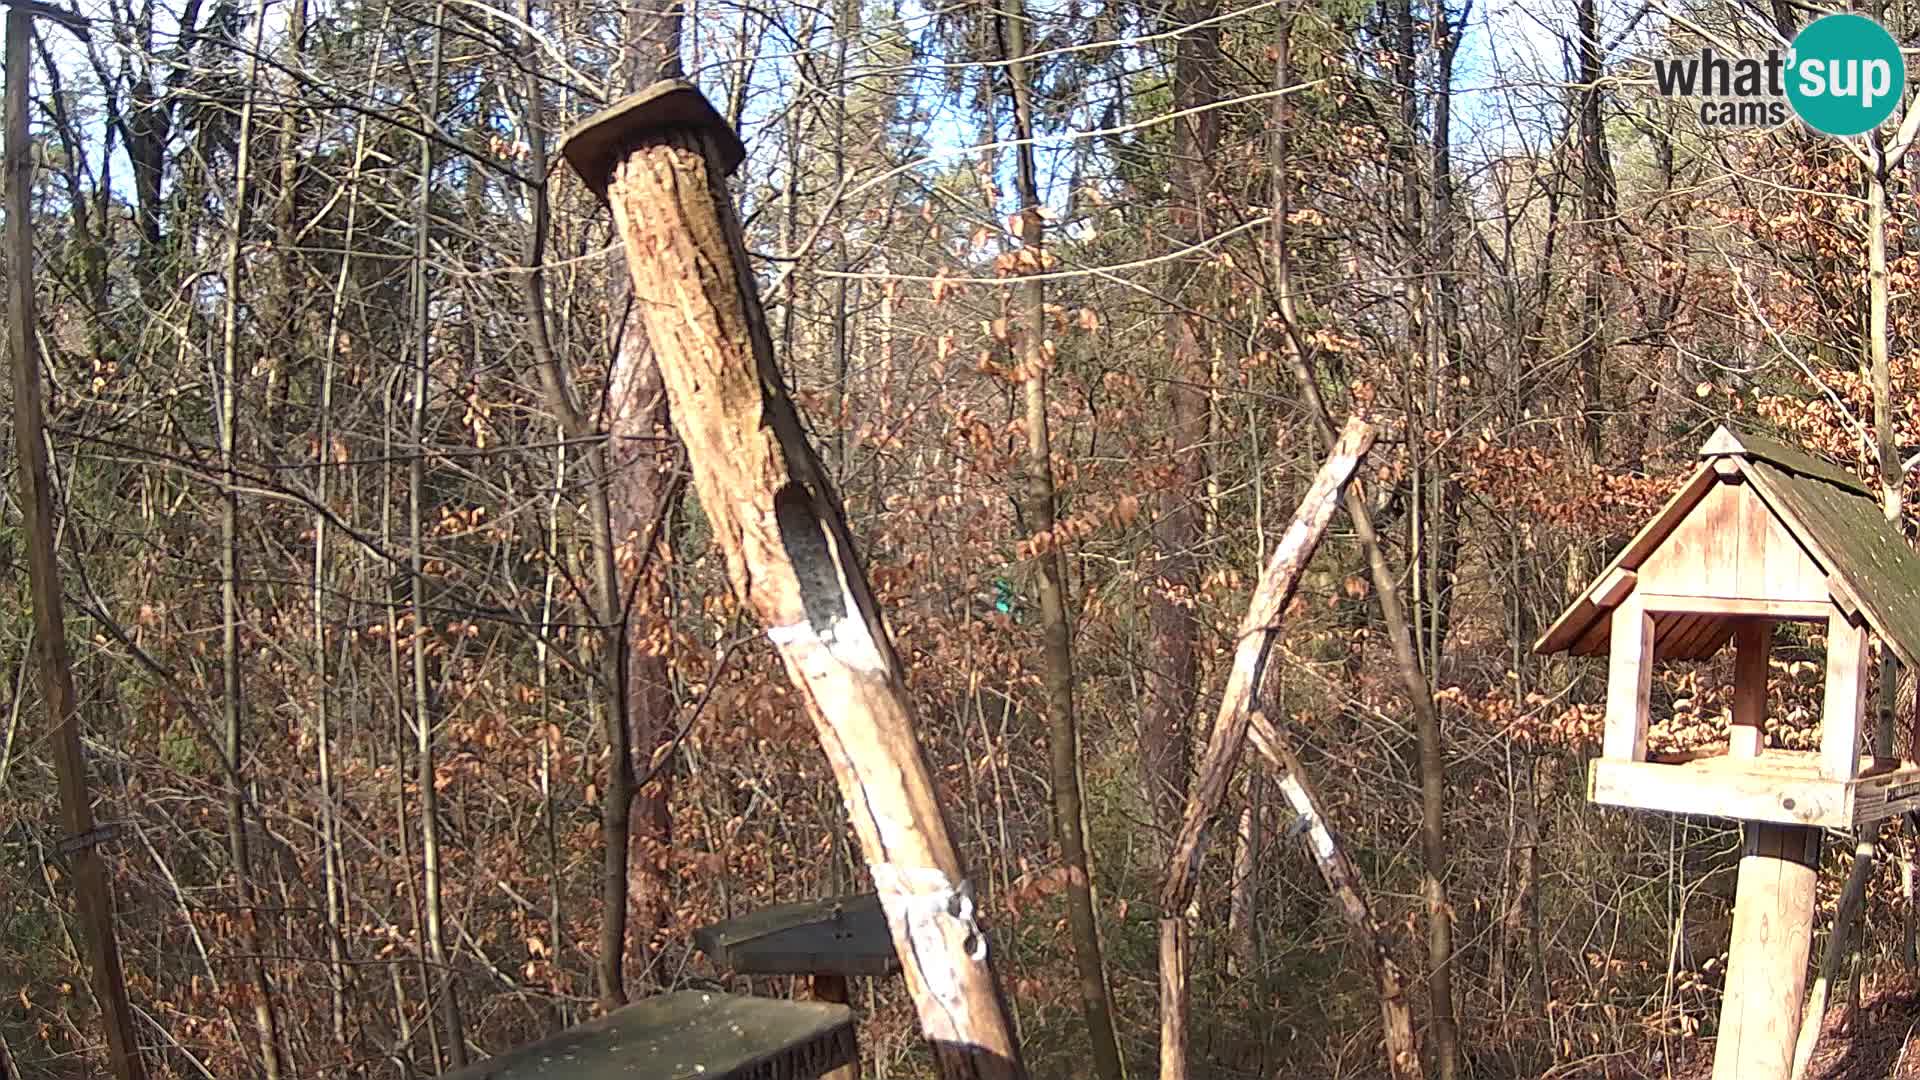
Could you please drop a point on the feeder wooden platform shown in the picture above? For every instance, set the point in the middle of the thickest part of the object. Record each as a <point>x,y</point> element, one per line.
<point>686,1035</point>
<point>844,935</point>
<point>1782,786</point>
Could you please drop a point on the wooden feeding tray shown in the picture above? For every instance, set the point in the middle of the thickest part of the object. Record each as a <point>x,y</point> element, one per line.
<point>1782,786</point>
<point>685,1035</point>
<point>841,936</point>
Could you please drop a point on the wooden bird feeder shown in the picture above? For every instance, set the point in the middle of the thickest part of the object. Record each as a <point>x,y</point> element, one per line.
<point>686,1035</point>
<point>1760,534</point>
<point>660,159</point>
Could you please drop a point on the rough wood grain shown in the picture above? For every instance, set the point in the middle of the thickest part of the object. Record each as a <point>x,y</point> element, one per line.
<point>792,563</point>
<point>1767,960</point>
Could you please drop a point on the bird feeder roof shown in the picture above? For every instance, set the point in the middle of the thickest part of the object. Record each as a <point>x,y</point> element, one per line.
<point>1870,570</point>
<point>844,935</point>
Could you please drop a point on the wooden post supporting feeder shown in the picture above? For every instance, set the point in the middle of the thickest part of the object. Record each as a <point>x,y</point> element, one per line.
<point>660,158</point>
<point>1760,534</point>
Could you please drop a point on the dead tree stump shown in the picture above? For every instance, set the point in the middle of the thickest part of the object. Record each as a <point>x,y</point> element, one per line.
<point>660,157</point>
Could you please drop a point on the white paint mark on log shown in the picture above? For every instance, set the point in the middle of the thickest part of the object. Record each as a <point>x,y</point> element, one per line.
<point>852,643</point>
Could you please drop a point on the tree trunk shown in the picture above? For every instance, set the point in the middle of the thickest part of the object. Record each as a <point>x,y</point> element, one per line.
<point>233,705</point>
<point>641,461</point>
<point>1441,518</point>
<point>1063,734</point>
<point>1891,475</point>
<point>629,497</point>
<point>445,987</point>
<point>92,887</point>
<point>1595,207</point>
<point>1178,526</point>
<point>324,462</point>
<point>791,560</point>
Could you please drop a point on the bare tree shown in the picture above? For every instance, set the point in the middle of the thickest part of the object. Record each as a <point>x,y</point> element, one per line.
<point>1063,731</point>
<point>92,888</point>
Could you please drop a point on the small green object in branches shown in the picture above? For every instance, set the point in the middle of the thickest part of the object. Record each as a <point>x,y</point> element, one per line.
<point>1006,602</point>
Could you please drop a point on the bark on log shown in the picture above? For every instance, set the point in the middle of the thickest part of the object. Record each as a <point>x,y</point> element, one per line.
<point>790,556</point>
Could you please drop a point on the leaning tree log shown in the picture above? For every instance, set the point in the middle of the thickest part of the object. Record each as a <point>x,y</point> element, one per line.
<point>660,158</point>
<point>1237,713</point>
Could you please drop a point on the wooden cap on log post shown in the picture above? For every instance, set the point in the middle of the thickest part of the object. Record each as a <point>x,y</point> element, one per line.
<point>595,145</point>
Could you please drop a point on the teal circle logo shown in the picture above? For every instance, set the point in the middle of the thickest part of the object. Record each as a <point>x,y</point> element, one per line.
<point>1846,75</point>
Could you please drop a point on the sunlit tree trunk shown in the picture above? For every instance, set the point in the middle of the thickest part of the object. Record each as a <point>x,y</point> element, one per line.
<point>1063,733</point>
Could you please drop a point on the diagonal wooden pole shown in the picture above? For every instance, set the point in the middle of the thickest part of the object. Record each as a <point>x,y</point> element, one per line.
<point>1344,882</point>
<point>1235,716</point>
<point>660,158</point>
<point>92,888</point>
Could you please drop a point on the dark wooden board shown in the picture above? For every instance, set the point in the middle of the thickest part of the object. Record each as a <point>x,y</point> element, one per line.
<point>688,1034</point>
<point>838,936</point>
<point>595,145</point>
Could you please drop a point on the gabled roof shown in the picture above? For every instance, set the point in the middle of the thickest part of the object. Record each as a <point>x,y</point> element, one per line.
<point>1831,513</point>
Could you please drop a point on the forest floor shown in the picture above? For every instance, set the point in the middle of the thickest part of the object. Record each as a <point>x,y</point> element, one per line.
<point>1881,1042</point>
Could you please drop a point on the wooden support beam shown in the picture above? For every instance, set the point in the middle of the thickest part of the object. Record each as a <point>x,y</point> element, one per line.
<point>1750,792</point>
<point>833,990</point>
<point>1843,596</point>
<point>1609,590</point>
<point>1846,699</point>
<point>1767,960</point>
<point>1629,681</point>
<point>1736,607</point>
<point>1271,594</point>
<point>1752,641</point>
<point>1349,891</point>
<point>663,157</point>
